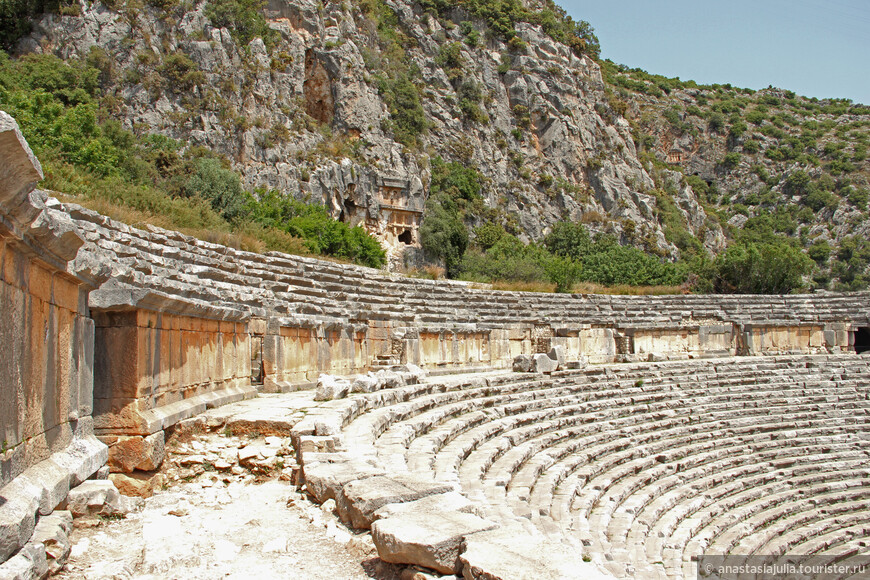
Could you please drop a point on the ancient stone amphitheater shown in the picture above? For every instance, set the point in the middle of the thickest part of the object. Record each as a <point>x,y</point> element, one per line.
<point>636,434</point>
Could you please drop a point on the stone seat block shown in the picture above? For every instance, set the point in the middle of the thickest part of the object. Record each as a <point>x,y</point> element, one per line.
<point>359,500</point>
<point>431,540</point>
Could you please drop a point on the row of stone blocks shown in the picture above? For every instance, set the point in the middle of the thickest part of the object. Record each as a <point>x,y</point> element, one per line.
<point>650,464</point>
<point>280,285</point>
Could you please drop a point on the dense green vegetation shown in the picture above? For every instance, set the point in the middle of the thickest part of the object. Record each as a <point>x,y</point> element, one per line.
<point>154,178</point>
<point>243,18</point>
<point>395,75</point>
<point>796,165</point>
<point>501,16</point>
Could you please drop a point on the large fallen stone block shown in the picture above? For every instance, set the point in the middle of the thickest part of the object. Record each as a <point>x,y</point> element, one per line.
<point>431,540</point>
<point>359,500</point>
<point>127,454</point>
<point>522,364</point>
<point>511,554</point>
<point>95,497</point>
<point>367,383</point>
<point>326,480</point>
<point>330,387</point>
<point>542,363</point>
<point>557,353</point>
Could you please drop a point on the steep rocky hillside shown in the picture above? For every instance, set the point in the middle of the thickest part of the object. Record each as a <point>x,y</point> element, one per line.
<point>485,115</point>
<point>344,94</point>
<point>762,161</point>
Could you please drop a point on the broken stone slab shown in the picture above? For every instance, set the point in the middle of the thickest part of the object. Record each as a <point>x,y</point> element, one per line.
<point>432,540</point>
<point>129,453</point>
<point>53,531</point>
<point>330,387</point>
<point>452,501</point>
<point>557,353</point>
<point>542,363</point>
<point>389,380</point>
<point>17,518</point>
<point>513,554</point>
<point>137,484</point>
<point>326,480</point>
<point>367,383</point>
<point>95,497</point>
<point>29,563</point>
<point>359,500</point>
<point>522,364</point>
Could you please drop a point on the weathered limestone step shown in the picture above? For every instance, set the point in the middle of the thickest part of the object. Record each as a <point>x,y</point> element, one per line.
<point>330,472</point>
<point>432,540</point>
<point>359,500</point>
<point>511,554</point>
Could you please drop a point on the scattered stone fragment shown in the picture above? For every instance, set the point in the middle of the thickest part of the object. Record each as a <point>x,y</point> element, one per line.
<point>52,531</point>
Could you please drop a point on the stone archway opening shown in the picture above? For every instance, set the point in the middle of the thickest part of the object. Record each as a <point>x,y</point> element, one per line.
<point>862,340</point>
<point>406,237</point>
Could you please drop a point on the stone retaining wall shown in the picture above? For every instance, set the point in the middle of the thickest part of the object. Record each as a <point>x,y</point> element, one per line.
<point>46,353</point>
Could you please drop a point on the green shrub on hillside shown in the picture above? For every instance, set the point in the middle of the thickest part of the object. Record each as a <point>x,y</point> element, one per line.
<point>154,178</point>
<point>502,16</point>
<point>761,268</point>
<point>442,233</point>
<point>311,222</point>
<point>243,18</point>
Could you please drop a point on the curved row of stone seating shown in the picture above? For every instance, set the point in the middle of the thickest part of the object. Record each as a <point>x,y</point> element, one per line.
<point>651,464</point>
<point>274,283</point>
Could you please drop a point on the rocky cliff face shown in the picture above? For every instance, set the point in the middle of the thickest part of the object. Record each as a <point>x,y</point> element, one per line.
<point>763,161</point>
<point>307,112</point>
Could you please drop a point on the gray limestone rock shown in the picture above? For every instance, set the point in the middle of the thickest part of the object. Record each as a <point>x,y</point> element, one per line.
<point>359,500</point>
<point>432,540</point>
<point>95,497</point>
<point>523,364</point>
<point>514,554</point>
<point>542,363</point>
<point>329,388</point>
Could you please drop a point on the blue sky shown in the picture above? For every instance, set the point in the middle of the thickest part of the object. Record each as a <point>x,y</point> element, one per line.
<point>815,48</point>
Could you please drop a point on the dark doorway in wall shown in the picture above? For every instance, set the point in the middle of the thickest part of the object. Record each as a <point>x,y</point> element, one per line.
<point>862,340</point>
<point>257,371</point>
<point>406,238</point>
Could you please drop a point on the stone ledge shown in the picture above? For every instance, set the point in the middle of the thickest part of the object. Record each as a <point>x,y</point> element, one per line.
<point>115,296</point>
<point>42,487</point>
<point>154,420</point>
